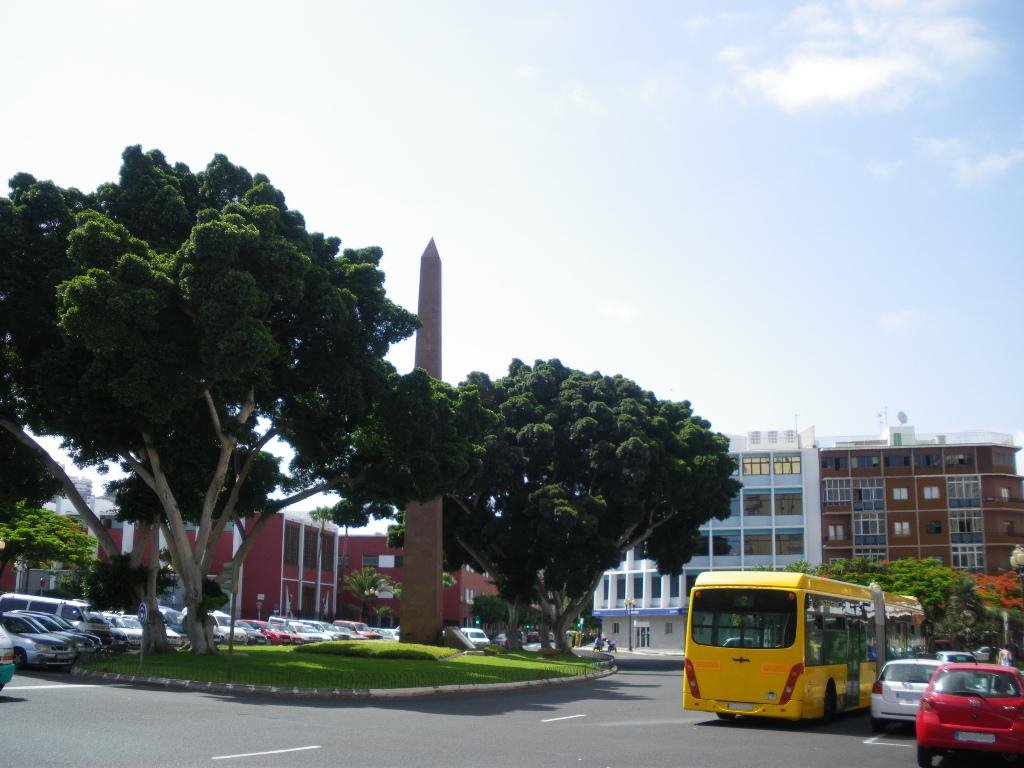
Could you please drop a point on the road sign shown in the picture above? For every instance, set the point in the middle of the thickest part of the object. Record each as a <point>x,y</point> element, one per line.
<point>143,613</point>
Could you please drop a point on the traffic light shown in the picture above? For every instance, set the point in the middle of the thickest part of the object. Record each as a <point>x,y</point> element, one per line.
<point>476,621</point>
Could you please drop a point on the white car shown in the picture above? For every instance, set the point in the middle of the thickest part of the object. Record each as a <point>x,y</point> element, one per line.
<point>897,691</point>
<point>132,629</point>
<point>476,636</point>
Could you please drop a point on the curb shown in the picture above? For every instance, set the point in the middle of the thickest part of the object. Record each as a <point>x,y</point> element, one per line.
<point>335,694</point>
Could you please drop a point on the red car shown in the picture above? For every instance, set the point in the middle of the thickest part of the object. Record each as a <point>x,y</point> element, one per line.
<point>973,708</point>
<point>276,635</point>
<point>359,630</point>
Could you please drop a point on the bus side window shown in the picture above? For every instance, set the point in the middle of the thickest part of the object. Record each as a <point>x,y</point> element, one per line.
<point>814,640</point>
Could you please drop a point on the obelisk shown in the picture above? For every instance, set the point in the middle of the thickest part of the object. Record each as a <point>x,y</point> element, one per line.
<point>421,617</point>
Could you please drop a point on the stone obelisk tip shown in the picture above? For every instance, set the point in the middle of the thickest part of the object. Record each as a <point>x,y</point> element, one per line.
<point>428,337</point>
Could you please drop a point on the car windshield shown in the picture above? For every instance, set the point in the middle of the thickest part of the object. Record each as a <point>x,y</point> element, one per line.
<point>131,622</point>
<point>959,682</point>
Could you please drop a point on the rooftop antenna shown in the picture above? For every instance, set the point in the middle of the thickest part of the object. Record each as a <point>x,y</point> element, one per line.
<point>883,417</point>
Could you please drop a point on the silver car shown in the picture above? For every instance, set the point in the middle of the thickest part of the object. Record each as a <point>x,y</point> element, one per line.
<point>36,649</point>
<point>897,691</point>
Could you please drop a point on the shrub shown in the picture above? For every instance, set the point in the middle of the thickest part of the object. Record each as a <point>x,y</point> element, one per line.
<point>377,649</point>
<point>494,650</point>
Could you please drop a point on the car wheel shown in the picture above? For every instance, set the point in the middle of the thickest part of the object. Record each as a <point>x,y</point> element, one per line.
<point>924,757</point>
<point>877,725</point>
<point>725,715</point>
<point>20,659</point>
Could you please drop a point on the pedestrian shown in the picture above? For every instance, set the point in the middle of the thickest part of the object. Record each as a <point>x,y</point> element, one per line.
<point>1004,657</point>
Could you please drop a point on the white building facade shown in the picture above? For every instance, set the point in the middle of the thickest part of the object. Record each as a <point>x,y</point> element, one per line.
<point>774,521</point>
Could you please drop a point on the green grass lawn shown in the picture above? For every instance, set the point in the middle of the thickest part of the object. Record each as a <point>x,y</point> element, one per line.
<point>286,668</point>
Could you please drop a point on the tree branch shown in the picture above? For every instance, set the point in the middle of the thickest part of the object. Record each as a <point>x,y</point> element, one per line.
<point>57,472</point>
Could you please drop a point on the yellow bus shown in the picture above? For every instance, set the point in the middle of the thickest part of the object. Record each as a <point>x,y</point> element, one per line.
<point>790,645</point>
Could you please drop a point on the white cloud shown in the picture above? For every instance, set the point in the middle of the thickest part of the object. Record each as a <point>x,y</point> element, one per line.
<point>974,173</point>
<point>526,72</point>
<point>863,52</point>
<point>901,320</point>
<point>967,167</point>
<point>579,98</point>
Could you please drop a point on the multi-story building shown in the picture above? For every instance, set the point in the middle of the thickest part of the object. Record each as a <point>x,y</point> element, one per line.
<point>955,497</point>
<point>773,521</point>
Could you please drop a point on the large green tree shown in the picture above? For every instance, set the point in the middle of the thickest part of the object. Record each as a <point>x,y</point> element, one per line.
<point>41,536</point>
<point>176,323</point>
<point>580,467</point>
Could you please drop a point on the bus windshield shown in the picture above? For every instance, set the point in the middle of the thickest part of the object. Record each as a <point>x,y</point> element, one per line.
<point>744,618</point>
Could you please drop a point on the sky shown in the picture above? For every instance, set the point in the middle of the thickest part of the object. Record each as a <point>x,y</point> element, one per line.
<point>789,214</point>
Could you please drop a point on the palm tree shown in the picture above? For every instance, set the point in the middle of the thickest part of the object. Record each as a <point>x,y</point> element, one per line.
<point>366,584</point>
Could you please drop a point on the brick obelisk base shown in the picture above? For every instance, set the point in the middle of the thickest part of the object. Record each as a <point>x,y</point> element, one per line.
<point>422,607</point>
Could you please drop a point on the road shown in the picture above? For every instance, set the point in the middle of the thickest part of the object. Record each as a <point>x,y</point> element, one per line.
<point>629,719</point>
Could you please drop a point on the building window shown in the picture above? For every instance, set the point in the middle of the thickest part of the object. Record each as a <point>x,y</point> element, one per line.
<point>834,462</point>
<point>615,627</point>
<point>725,544</point>
<point>927,459</point>
<point>668,627</point>
<point>787,465</point>
<point>310,540</point>
<point>755,465</point>
<point>757,505</point>
<point>607,589</point>
<point>866,462</point>
<point>868,529</point>
<point>963,491</point>
<point>964,525</point>
<point>871,553</point>
<point>371,561</point>
<point>900,494</point>
<point>837,491</point>
<point>868,493</point>
<point>958,460</point>
<point>655,587</point>
<point>933,526</point>
<point>1003,458</point>
<point>789,503</point>
<point>1004,493</point>
<point>291,545</point>
<point>969,556</point>
<point>931,492</point>
<point>789,542</point>
<point>327,553</point>
<point>901,528</point>
<point>897,459</point>
<point>620,589</point>
<point>836,532</point>
<point>757,543</point>
<point>638,587</point>
<point>673,587</point>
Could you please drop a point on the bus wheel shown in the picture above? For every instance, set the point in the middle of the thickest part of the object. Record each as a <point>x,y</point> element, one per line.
<point>725,715</point>
<point>924,757</point>
<point>830,702</point>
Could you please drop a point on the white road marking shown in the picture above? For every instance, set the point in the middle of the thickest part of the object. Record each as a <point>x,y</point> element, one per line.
<point>556,719</point>
<point>44,687</point>
<point>270,752</point>
<point>874,741</point>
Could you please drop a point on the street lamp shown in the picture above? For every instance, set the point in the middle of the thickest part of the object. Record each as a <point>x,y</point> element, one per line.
<point>630,604</point>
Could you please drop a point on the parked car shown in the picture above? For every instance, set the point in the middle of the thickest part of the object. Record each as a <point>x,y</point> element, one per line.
<point>87,645</point>
<point>897,690</point>
<point>359,630</point>
<point>254,633</point>
<point>971,708</point>
<point>985,653</point>
<point>275,634</point>
<point>222,629</point>
<point>6,659</point>
<point>386,633</point>
<point>332,632</point>
<point>77,612</point>
<point>36,649</point>
<point>477,637</point>
<point>132,628</point>
<point>956,656</point>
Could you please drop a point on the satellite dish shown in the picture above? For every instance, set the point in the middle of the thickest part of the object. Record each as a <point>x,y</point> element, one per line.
<point>902,417</point>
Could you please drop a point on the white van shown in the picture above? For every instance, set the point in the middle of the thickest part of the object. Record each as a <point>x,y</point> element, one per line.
<point>77,612</point>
